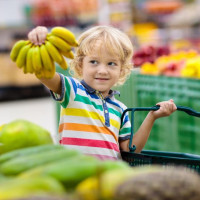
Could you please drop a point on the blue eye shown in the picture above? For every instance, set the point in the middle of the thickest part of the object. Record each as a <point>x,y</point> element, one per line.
<point>112,64</point>
<point>93,62</point>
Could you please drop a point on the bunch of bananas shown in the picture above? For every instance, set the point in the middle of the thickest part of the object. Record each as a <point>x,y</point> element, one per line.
<point>40,60</point>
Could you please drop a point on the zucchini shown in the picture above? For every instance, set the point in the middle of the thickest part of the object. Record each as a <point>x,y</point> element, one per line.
<point>28,151</point>
<point>69,171</point>
<point>23,163</point>
<point>2,177</point>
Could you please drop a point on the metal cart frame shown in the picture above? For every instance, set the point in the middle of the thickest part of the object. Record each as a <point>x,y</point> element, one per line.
<point>150,157</point>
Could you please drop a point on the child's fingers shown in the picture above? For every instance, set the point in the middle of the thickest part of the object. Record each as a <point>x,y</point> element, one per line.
<point>169,102</point>
<point>38,35</point>
<point>41,32</point>
<point>167,106</point>
<point>33,37</point>
<point>172,105</point>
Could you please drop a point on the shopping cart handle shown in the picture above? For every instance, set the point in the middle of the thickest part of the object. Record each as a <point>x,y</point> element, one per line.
<point>187,110</point>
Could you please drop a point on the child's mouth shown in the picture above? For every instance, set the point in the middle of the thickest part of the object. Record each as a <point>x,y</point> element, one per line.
<point>102,79</point>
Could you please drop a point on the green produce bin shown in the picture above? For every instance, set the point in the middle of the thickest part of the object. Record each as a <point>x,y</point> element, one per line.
<point>177,133</point>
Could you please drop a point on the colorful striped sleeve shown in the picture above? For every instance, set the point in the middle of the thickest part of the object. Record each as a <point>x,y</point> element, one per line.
<point>125,131</point>
<point>68,91</point>
<point>58,97</point>
<point>70,85</point>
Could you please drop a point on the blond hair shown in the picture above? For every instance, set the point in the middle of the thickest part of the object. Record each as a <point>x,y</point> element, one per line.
<point>117,42</point>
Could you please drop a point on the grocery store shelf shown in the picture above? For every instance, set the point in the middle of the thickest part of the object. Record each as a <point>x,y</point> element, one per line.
<point>10,93</point>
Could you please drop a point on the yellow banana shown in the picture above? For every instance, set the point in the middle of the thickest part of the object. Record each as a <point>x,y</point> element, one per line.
<point>39,74</point>
<point>47,74</point>
<point>24,69</point>
<point>63,64</point>
<point>21,58</point>
<point>53,52</point>
<point>59,43</point>
<point>68,54</point>
<point>46,59</point>
<point>36,59</point>
<point>88,189</point>
<point>29,65</point>
<point>16,49</point>
<point>65,34</point>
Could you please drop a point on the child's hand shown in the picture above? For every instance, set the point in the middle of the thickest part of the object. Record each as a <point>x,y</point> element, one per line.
<point>166,109</point>
<point>38,35</point>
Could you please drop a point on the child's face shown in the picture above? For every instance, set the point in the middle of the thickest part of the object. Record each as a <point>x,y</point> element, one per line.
<point>101,70</point>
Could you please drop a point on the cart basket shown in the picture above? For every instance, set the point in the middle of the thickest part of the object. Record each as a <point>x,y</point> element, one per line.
<point>150,157</point>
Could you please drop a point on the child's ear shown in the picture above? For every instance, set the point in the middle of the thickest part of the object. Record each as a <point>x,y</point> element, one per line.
<point>122,72</point>
<point>80,70</point>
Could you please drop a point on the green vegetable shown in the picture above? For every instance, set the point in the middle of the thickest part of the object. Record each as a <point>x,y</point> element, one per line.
<point>23,163</point>
<point>28,151</point>
<point>69,171</point>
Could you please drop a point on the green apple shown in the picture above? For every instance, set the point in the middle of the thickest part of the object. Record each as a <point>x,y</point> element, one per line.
<point>22,133</point>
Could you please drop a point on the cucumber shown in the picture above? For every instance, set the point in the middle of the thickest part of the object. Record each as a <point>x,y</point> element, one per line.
<point>28,151</point>
<point>20,164</point>
<point>69,171</point>
<point>2,177</point>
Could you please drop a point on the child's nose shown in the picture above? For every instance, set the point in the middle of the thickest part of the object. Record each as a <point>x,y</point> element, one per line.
<point>102,69</point>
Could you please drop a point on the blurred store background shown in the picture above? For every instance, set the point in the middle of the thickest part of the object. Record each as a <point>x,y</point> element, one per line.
<point>166,38</point>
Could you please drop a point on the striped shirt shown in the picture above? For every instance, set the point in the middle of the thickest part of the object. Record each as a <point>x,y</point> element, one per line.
<point>90,123</point>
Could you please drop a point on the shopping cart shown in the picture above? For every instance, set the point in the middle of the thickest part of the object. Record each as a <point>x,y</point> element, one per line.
<point>151,157</point>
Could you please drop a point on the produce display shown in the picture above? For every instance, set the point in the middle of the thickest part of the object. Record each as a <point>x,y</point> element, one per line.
<point>176,64</point>
<point>46,171</point>
<point>33,167</point>
<point>40,59</point>
<point>149,54</point>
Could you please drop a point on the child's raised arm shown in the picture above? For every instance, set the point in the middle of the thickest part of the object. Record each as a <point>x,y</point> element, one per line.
<point>141,136</point>
<point>37,36</point>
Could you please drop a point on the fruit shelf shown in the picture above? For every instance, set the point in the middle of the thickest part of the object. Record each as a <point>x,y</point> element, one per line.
<point>10,93</point>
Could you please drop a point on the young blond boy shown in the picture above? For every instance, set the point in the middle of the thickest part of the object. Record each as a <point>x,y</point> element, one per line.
<point>90,119</point>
